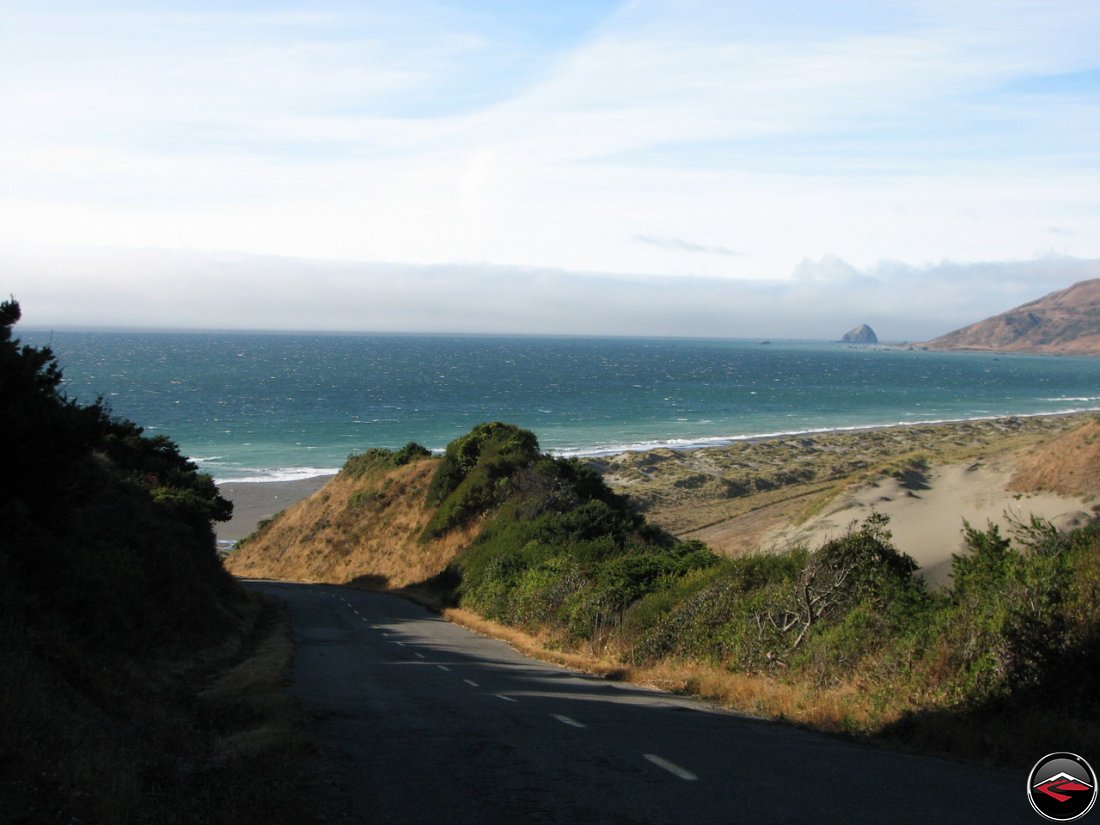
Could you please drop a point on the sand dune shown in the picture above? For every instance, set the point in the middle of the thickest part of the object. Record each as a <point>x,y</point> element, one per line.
<point>927,511</point>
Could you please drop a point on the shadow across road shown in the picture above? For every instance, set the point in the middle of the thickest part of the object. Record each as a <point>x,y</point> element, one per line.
<point>418,720</point>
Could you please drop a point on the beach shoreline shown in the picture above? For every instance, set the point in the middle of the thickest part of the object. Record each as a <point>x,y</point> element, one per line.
<point>720,442</point>
<point>755,494</point>
<point>254,501</point>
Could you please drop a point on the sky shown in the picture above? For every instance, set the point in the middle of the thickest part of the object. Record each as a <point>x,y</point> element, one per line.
<point>724,168</point>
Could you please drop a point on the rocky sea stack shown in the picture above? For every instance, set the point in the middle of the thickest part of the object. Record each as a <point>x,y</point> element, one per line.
<point>862,334</point>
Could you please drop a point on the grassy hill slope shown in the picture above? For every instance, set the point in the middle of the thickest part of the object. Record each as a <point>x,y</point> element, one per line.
<point>362,528</point>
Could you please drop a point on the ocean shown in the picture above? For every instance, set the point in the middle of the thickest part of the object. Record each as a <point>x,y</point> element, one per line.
<point>267,407</point>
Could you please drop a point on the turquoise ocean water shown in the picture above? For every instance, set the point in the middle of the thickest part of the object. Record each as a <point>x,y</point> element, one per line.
<point>281,406</point>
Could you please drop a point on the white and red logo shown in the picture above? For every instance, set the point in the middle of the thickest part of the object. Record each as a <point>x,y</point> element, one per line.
<point>1062,787</point>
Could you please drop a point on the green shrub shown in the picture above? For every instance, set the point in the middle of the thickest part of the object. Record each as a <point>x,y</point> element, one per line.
<point>668,593</point>
<point>561,554</point>
<point>1017,609</point>
<point>721,616</point>
<point>380,460</point>
<point>562,551</point>
<point>760,611</point>
<point>476,472</point>
<point>541,590</point>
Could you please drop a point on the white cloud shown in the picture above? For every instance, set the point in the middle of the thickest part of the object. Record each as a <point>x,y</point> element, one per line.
<point>696,140</point>
<point>86,287</point>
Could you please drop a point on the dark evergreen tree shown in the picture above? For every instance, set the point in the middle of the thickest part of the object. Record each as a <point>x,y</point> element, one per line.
<point>99,524</point>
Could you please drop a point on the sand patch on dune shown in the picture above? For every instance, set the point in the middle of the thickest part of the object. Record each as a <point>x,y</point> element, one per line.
<point>928,511</point>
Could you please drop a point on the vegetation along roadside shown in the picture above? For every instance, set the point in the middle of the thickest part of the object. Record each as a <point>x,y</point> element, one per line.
<point>842,637</point>
<point>140,683</point>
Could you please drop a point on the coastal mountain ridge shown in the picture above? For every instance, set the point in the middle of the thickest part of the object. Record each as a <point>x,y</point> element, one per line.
<point>1066,322</point>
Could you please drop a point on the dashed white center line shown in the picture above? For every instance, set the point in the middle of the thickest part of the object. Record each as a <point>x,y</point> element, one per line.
<point>471,683</point>
<point>505,698</point>
<point>399,644</point>
<point>671,767</point>
<point>565,720</point>
<point>444,667</point>
<point>418,654</point>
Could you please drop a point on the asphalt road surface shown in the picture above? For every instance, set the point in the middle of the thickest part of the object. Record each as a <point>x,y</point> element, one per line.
<point>417,720</point>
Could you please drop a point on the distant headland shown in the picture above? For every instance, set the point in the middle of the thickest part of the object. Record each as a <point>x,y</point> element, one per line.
<point>1066,322</point>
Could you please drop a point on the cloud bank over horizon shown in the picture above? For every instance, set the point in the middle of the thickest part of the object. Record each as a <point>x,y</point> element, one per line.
<point>824,299</point>
<point>764,155</point>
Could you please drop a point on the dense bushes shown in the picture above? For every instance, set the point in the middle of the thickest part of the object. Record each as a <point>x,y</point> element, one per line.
<point>105,530</point>
<point>561,550</point>
<point>764,612</point>
<point>562,553</point>
<point>1025,613</point>
<point>476,472</point>
<point>380,460</point>
<point>563,556</point>
<point>1021,613</point>
<point>112,604</point>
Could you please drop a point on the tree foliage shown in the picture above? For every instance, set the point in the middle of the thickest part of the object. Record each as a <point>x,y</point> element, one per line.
<point>101,524</point>
<point>476,473</point>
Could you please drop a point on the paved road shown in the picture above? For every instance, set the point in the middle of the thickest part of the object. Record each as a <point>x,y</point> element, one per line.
<point>420,721</point>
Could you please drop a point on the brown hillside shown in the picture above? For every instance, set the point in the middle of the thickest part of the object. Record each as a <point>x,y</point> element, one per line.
<point>1066,322</point>
<point>363,531</point>
<point>1068,464</point>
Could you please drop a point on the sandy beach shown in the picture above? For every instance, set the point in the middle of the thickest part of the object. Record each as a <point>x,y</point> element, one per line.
<point>255,501</point>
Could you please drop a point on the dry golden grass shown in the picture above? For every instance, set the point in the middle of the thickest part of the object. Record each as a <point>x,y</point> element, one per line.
<point>1068,464</point>
<point>846,708</point>
<point>900,714</point>
<point>361,531</point>
<point>535,646</point>
<point>837,709</point>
